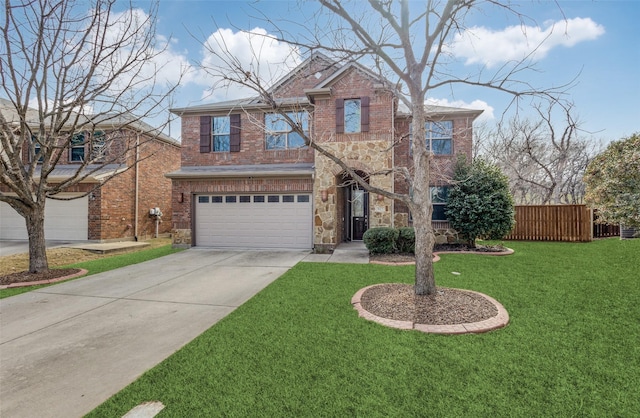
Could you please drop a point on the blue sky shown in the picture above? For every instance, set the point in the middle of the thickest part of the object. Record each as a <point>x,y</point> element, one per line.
<point>598,44</point>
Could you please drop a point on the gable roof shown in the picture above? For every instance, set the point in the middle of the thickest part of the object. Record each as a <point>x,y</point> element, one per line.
<point>106,121</point>
<point>315,56</point>
<point>323,88</point>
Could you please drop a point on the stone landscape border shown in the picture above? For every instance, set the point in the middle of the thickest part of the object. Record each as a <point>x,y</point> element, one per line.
<point>436,256</point>
<point>82,272</point>
<point>499,321</point>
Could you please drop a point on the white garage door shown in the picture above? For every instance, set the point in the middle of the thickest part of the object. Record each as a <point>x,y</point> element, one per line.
<point>64,220</point>
<point>254,221</point>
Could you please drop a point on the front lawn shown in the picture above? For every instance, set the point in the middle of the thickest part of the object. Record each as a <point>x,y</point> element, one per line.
<point>298,348</point>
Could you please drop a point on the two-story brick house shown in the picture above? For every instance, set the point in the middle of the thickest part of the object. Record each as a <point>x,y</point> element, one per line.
<point>247,180</point>
<point>119,208</point>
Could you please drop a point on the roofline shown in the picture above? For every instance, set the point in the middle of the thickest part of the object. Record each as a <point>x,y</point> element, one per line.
<point>227,107</point>
<point>458,112</point>
<point>105,121</point>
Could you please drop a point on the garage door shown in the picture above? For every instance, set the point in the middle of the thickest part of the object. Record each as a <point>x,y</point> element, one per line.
<point>64,220</point>
<point>254,221</point>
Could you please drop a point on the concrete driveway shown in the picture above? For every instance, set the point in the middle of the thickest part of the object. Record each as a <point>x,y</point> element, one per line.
<point>67,348</point>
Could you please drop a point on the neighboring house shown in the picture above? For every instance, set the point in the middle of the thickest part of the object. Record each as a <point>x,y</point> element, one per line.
<point>110,208</point>
<point>247,180</point>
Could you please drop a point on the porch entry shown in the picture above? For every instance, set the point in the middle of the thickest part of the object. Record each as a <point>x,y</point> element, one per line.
<point>356,219</point>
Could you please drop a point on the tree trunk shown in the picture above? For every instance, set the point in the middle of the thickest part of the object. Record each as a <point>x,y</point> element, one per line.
<point>421,206</point>
<point>425,238</point>
<point>37,248</point>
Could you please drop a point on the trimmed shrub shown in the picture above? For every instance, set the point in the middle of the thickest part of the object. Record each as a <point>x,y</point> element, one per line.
<point>381,240</point>
<point>480,204</point>
<point>406,242</point>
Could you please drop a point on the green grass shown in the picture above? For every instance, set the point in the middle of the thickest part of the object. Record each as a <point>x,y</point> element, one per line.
<point>101,265</point>
<point>298,348</point>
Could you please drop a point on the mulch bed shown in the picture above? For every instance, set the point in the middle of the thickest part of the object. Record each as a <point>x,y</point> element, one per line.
<point>398,301</point>
<point>447,307</point>
<point>25,276</point>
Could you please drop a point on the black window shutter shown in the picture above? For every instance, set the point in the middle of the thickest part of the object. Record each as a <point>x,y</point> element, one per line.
<point>339,116</point>
<point>234,139</point>
<point>364,114</point>
<point>205,133</point>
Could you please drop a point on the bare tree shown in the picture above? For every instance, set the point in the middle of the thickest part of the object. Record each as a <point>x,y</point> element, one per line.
<point>544,158</point>
<point>70,70</point>
<point>407,43</point>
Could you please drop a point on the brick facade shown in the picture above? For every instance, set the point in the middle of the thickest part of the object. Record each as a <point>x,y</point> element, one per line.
<point>317,84</point>
<point>112,205</point>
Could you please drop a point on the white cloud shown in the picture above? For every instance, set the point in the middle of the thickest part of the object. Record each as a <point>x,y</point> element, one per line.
<point>493,47</point>
<point>127,36</point>
<point>253,50</point>
<point>476,105</point>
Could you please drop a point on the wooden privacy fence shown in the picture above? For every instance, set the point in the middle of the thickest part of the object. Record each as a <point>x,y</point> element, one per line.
<point>552,223</point>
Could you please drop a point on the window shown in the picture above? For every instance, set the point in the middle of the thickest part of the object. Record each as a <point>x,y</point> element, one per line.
<point>273,199</point>
<point>36,148</point>
<point>352,115</point>
<point>221,133</point>
<point>203,199</point>
<point>230,199</point>
<point>303,198</point>
<point>439,197</point>
<point>258,199</point>
<point>287,198</point>
<point>216,199</point>
<point>280,134</point>
<point>245,199</point>
<point>76,147</point>
<point>98,146</point>
<point>439,137</point>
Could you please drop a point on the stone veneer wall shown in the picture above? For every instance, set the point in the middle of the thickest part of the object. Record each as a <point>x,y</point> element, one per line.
<point>368,156</point>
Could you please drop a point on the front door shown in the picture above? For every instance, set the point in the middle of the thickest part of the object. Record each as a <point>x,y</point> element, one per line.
<point>358,202</point>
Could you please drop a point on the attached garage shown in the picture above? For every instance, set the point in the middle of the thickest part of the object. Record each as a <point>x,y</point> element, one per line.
<point>65,220</point>
<point>254,220</point>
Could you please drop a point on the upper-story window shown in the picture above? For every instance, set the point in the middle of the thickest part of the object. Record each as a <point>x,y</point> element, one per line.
<point>98,146</point>
<point>352,115</point>
<point>279,134</point>
<point>37,147</point>
<point>76,147</point>
<point>221,133</point>
<point>78,142</point>
<point>439,137</point>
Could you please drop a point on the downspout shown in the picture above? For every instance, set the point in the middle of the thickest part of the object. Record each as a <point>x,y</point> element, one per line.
<point>393,162</point>
<point>135,228</point>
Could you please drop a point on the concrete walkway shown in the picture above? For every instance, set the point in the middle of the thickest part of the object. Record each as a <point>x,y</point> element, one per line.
<point>353,252</point>
<point>66,348</point>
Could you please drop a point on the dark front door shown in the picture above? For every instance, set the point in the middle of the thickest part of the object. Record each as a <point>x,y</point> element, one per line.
<point>358,202</point>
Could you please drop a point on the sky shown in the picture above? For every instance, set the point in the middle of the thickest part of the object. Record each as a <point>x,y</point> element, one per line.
<point>592,45</point>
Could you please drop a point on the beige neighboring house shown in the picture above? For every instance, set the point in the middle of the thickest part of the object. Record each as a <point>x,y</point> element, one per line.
<point>246,180</point>
<point>119,208</point>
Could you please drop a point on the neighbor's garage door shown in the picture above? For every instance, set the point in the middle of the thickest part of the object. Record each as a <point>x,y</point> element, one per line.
<point>254,221</point>
<point>64,220</point>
